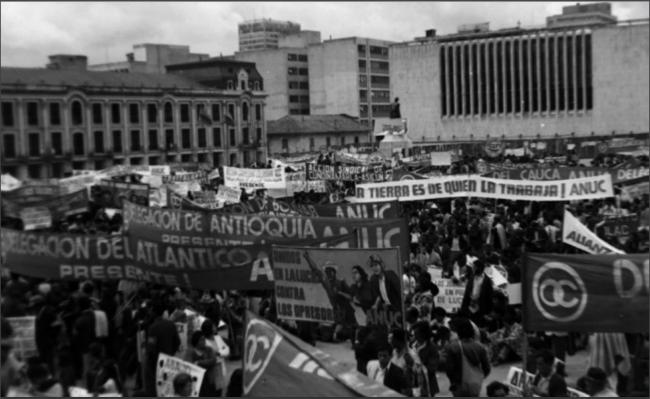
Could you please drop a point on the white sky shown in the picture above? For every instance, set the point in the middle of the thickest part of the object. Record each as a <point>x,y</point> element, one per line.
<point>106,31</point>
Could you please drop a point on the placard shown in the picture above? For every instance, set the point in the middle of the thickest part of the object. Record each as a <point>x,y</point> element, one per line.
<point>450,296</point>
<point>36,218</point>
<point>168,367</point>
<point>253,178</point>
<point>24,335</point>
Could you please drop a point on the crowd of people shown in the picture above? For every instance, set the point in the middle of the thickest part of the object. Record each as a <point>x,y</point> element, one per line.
<point>106,336</point>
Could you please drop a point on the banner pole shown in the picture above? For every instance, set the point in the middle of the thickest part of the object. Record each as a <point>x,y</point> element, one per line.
<point>524,359</point>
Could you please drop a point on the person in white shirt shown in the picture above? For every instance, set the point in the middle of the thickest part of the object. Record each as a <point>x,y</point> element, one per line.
<point>597,384</point>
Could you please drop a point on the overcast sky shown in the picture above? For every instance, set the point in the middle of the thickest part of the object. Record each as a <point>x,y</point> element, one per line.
<point>106,31</point>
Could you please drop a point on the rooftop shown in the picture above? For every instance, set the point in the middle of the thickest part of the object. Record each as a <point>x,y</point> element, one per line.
<point>311,124</point>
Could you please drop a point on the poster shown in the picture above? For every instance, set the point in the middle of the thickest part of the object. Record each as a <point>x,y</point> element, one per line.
<point>319,285</point>
<point>450,296</point>
<point>228,195</point>
<point>515,381</point>
<point>360,173</point>
<point>181,329</point>
<point>619,229</point>
<point>253,178</point>
<point>24,335</point>
<point>168,367</point>
<point>112,194</point>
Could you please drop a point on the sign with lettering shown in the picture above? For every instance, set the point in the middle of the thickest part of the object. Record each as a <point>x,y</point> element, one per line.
<point>515,381</point>
<point>168,367</point>
<point>476,186</point>
<point>450,296</point>
<point>24,335</point>
<point>228,195</point>
<point>58,206</point>
<point>320,285</point>
<point>253,178</point>
<point>36,218</point>
<point>112,194</point>
<point>348,173</point>
<point>578,235</point>
<point>619,228</point>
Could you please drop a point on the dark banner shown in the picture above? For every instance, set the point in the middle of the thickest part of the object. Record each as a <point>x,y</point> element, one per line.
<point>112,194</point>
<point>537,173</point>
<point>272,357</point>
<point>32,194</point>
<point>320,285</point>
<point>200,175</point>
<point>586,293</point>
<point>349,173</point>
<point>60,206</point>
<point>619,229</point>
<point>172,224</point>
<point>271,206</point>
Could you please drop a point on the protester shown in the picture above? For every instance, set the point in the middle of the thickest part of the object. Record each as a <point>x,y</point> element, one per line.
<point>385,372</point>
<point>547,381</point>
<point>182,385</point>
<point>597,385</point>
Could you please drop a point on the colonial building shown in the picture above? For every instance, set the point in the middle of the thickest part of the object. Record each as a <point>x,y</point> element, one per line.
<point>585,75</point>
<point>56,120</point>
<point>297,134</point>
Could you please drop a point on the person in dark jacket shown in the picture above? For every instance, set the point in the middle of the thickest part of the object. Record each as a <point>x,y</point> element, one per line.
<point>466,353</point>
<point>385,286</point>
<point>547,382</point>
<point>385,372</point>
<point>477,301</point>
<point>162,337</point>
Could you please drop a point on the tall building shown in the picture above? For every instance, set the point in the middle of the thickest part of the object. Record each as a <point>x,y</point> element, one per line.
<point>351,76</point>
<point>573,80</point>
<point>151,58</point>
<point>264,33</point>
<point>56,120</point>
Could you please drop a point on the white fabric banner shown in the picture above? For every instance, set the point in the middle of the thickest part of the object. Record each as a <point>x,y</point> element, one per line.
<point>578,235</point>
<point>591,187</point>
<point>228,195</point>
<point>253,178</point>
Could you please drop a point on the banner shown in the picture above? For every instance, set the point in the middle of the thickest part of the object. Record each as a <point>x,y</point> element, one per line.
<point>272,357</point>
<point>228,195</point>
<point>349,173</point>
<point>586,293</point>
<point>476,186</point>
<point>200,176</point>
<point>24,342</point>
<point>31,194</point>
<point>541,173</point>
<point>172,225</point>
<point>112,194</point>
<point>36,218</point>
<point>181,329</point>
<point>253,178</point>
<point>58,206</point>
<point>168,367</point>
<point>317,285</point>
<point>632,192</point>
<point>8,182</point>
<point>578,235</point>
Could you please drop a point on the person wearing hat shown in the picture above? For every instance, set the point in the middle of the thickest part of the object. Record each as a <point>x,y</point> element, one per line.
<point>597,384</point>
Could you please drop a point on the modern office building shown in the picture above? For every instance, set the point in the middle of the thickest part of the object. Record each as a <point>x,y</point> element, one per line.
<point>151,58</point>
<point>584,75</point>
<point>299,134</point>
<point>264,33</point>
<point>351,76</point>
<point>56,120</point>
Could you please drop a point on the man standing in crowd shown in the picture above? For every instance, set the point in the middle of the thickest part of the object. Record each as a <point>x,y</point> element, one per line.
<point>384,285</point>
<point>162,337</point>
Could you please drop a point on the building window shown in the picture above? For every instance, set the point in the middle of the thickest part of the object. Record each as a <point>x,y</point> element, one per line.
<point>362,65</point>
<point>217,159</point>
<point>185,113</point>
<point>134,113</point>
<point>57,143</point>
<point>78,144</point>
<point>216,137</point>
<point>378,67</point>
<point>312,144</point>
<point>361,49</point>
<point>231,114</point>
<point>230,85</point>
<point>292,71</point>
<point>202,138</point>
<point>285,145</point>
<point>135,140</point>
<point>293,85</point>
<point>186,138</point>
<point>294,112</point>
<point>152,113</point>
<point>242,85</point>
<point>34,171</point>
<point>169,139</point>
<point>32,114</point>
<point>7,114</point>
<point>303,71</point>
<point>233,137</point>
<point>245,135</point>
<point>117,141</point>
<point>99,165</point>
<point>55,114</point>
<point>135,161</point>
<point>153,139</point>
<point>363,96</point>
<point>57,170</point>
<point>244,112</point>
<point>116,113</point>
<point>216,112</point>
<point>302,57</point>
<point>363,111</point>
<point>169,113</point>
<point>77,113</point>
<point>380,111</point>
<point>304,99</point>
<point>356,140</point>
<point>9,145</point>
<point>233,159</point>
<point>304,85</point>
<point>328,142</point>
<point>97,113</point>
<point>294,99</point>
<point>363,81</point>
<point>153,160</point>
<point>380,96</point>
<point>379,81</point>
<point>256,85</point>
<point>258,112</point>
<point>259,135</point>
<point>342,140</point>
<point>99,141</point>
<point>292,57</point>
<point>378,52</point>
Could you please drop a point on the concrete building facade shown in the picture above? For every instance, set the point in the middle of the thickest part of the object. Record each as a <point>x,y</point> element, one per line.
<point>299,134</point>
<point>571,81</point>
<point>151,58</point>
<point>56,120</point>
<point>264,33</point>
<point>352,76</point>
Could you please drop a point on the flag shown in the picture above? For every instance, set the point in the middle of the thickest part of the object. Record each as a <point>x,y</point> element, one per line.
<point>278,364</point>
<point>578,235</point>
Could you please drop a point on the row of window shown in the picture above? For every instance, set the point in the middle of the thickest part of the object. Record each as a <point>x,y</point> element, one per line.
<point>293,85</point>
<point>297,71</point>
<point>299,99</point>
<point>378,110</point>
<point>375,66</point>
<point>57,169</point>
<point>376,81</point>
<point>312,142</point>
<point>98,113</point>
<point>375,51</point>
<point>297,57</point>
<point>375,96</point>
<point>525,74</point>
<point>135,143</point>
